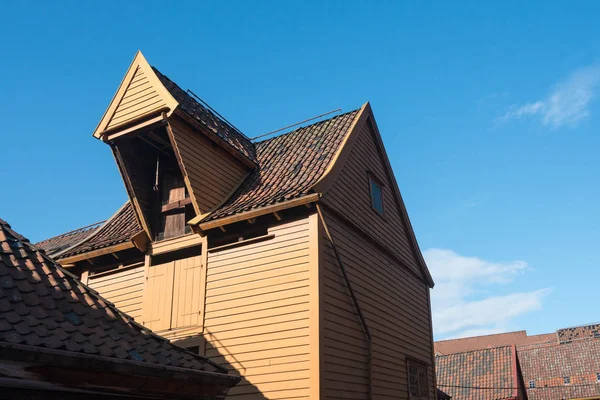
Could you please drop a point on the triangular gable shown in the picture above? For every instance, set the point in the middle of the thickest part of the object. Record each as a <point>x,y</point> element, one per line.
<point>365,122</point>
<point>140,94</point>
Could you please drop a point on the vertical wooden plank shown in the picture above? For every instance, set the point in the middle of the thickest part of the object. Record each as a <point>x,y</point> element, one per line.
<point>315,319</point>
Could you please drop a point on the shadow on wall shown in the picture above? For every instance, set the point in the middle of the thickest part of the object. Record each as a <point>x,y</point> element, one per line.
<point>243,389</point>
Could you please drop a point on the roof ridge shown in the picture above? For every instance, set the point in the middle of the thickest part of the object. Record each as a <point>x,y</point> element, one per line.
<point>306,126</point>
<point>475,350</point>
<point>78,230</point>
<point>480,336</point>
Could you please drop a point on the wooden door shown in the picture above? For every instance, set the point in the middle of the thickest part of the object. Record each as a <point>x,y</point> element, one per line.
<point>172,294</point>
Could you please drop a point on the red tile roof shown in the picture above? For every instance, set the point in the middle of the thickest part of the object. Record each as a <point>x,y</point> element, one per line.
<point>578,332</point>
<point>62,242</point>
<point>44,306</point>
<point>518,338</point>
<point>486,374</point>
<point>548,365</point>
<point>288,165</point>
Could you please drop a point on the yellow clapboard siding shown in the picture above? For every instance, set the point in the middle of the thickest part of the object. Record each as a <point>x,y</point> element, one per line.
<point>257,313</point>
<point>122,288</point>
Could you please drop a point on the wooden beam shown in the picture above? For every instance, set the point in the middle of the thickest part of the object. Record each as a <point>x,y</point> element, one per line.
<point>115,256</point>
<point>97,253</point>
<point>251,220</point>
<point>219,223</point>
<point>140,241</point>
<point>222,228</point>
<point>277,216</point>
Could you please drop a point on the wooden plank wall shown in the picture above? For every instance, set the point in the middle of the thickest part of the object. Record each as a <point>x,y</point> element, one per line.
<point>123,288</point>
<point>395,305</point>
<point>258,311</point>
<point>140,98</point>
<point>212,172</point>
<point>351,195</point>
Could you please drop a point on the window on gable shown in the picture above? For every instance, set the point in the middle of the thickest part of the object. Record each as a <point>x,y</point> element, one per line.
<point>376,195</point>
<point>531,384</point>
<point>567,380</point>
<point>417,381</point>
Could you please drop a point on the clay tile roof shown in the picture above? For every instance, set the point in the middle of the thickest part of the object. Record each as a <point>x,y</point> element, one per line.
<point>288,165</point>
<point>117,229</point>
<point>491,371</point>
<point>206,117</point>
<point>44,306</point>
<point>548,365</point>
<point>518,338</point>
<point>62,242</point>
<point>578,332</point>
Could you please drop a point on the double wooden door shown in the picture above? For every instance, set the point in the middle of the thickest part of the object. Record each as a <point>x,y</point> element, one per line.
<point>172,294</point>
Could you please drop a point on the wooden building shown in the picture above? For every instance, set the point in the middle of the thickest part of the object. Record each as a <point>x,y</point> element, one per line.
<point>290,261</point>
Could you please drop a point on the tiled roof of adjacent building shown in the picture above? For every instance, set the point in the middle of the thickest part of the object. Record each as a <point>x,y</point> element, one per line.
<point>120,228</point>
<point>547,367</point>
<point>209,119</point>
<point>44,306</point>
<point>62,242</point>
<point>518,338</point>
<point>578,332</point>
<point>288,165</point>
<point>486,374</point>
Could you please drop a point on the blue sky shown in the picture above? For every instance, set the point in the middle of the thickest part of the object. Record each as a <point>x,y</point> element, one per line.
<point>488,113</point>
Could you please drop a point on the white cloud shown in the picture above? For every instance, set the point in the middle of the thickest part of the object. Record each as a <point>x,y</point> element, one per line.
<point>461,300</point>
<point>567,103</point>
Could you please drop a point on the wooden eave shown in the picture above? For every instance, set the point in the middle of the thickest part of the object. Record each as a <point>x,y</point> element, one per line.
<point>60,370</point>
<point>304,200</point>
<point>97,253</point>
<point>139,62</point>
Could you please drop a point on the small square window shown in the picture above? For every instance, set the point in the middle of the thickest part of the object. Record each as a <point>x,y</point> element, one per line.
<point>376,195</point>
<point>598,376</point>
<point>567,380</point>
<point>417,381</point>
<point>531,384</point>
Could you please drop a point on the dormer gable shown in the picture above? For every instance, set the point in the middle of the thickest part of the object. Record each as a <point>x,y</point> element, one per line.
<point>179,159</point>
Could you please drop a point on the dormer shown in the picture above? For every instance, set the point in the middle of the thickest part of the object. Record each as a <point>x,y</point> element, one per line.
<point>179,158</point>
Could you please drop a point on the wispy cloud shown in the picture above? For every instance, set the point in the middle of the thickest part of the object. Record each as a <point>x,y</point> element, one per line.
<point>462,305</point>
<point>567,103</point>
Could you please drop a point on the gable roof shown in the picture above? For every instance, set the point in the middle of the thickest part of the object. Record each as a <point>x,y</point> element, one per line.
<point>548,365</point>
<point>486,374</point>
<point>44,307</point>
<point>60,243</point>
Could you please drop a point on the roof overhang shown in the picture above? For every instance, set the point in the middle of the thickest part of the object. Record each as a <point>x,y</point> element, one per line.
<point>26,366</point>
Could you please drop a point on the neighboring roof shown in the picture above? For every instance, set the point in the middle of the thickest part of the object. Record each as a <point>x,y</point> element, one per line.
<point>62,242</point>
<point>518,338</point>
<point>208,118</point>
<point>548,365</point>
<point>578,332</point>
<point>43,306</point>
<point>486,374</point>
<point>120,228</point>
<point>288,165</point>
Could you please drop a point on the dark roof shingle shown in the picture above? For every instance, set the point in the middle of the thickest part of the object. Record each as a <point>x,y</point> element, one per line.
<point>486,374</point>
<point>42,305</point>
<point>288,165</point>
<point>118,229</point>
<point>206,117</point>
<point>59,243</point>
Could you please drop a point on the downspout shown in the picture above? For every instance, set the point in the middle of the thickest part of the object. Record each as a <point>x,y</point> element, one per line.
<point>361,317</point>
